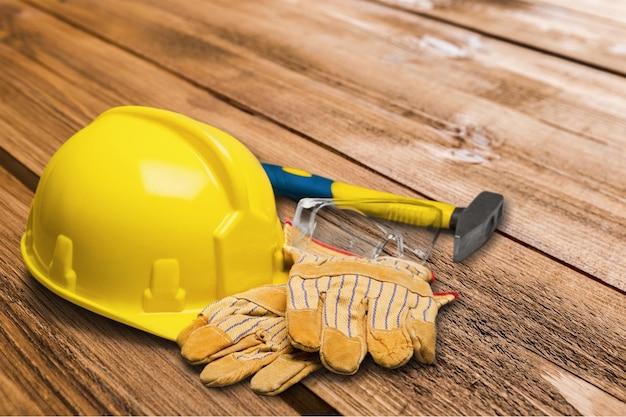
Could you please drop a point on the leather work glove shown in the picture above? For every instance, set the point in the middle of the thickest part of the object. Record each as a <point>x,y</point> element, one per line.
<point>244,335</point>
<point>346,306</point>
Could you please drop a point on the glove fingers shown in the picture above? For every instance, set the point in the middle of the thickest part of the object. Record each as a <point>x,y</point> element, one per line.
<point>236,367</point>
<point>422,328</point>
<point>343,345</point>
<point>243,344</point>
<point>204,342</point>
<point>388,340</point>
<point>444,298</point>
<point>390,348</point>
<point>304,329</point>
<point>284,372</point>
<point>341,354</point>
<point>200,321</point>
<point>424,342</point>
<point>304,320</point>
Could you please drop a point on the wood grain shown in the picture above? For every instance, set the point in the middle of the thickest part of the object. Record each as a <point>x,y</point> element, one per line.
<point>530,334</point>
<point>463,140</point>
<point>589,32</point>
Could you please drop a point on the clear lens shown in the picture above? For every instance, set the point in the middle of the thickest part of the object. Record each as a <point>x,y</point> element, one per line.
<point>369,228</point>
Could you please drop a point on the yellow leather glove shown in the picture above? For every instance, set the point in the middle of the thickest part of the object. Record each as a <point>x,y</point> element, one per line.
<point>345,306</point>
<point>244,335</point>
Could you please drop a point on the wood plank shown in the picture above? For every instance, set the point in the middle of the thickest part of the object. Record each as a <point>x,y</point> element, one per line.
<point>499,349</point>
<point>589,32</point>
<point>519,129</point>
<point>607,9</point>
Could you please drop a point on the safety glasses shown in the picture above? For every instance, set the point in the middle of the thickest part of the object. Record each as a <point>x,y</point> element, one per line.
<point>367,227</point>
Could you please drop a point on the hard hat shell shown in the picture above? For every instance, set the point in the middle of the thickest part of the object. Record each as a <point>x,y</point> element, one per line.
<point>145,216</point>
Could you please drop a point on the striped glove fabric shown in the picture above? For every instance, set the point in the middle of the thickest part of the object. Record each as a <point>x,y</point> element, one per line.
<point>345,307</point>
<point>244,335</point>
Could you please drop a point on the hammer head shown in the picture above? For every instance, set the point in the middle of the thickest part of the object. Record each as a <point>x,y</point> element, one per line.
<point>476,223</point>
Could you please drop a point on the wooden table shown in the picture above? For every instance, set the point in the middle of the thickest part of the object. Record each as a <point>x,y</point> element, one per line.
<point>428,98</point>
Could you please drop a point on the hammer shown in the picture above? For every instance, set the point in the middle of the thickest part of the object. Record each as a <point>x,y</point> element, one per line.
<point>472,225</point>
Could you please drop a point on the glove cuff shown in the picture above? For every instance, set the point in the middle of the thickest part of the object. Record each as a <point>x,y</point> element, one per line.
<point>271,297</point>
<point>408,274</point>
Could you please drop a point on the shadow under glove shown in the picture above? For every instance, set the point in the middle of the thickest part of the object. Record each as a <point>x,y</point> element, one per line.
<point>345,306</point>
<point>244,335</point>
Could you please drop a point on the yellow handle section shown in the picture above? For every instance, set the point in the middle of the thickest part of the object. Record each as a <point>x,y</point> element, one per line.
<point>400,209</point>
<point>297,184</point>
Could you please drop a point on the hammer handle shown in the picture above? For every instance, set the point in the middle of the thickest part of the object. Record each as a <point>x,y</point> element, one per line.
<point>297,184</point>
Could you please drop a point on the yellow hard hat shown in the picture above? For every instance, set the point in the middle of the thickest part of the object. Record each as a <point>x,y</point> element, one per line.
<point>145,216</point>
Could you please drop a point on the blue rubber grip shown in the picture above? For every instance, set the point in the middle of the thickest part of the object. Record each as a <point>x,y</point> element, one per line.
<point>297,184</point>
